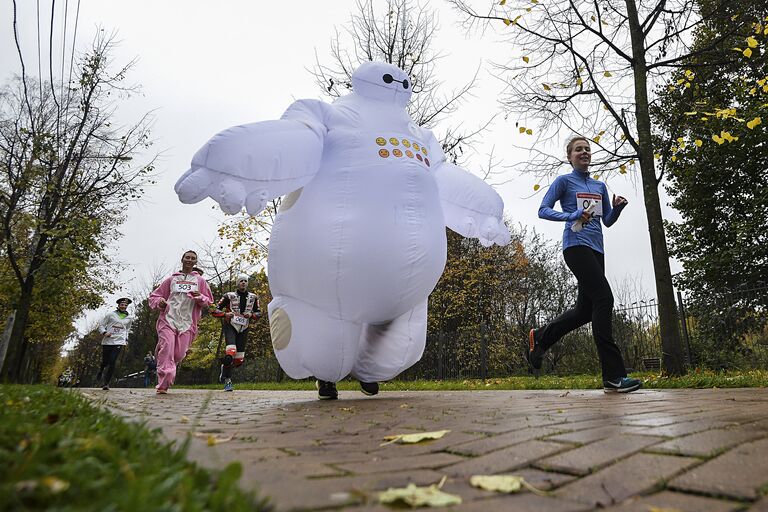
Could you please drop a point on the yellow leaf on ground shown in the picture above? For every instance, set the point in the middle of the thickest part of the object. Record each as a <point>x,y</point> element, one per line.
<point>756,121</point>
<point>497,483</point>
<point>752,42</point>
<point>415,438</point>
<point>717,138</point>
<point>415,496</point>
<point>747,52</point>
<point>503,483</point>
<point>699,142</point>
<point>213,440</point>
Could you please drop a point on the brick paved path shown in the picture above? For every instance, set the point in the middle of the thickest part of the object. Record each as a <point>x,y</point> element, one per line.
<point>697,450</point>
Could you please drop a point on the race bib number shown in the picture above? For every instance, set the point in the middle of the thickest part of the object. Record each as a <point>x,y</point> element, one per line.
<point>116,329</point>
<point>583,200</point>
<point>240,320</point>
<point>184,286</point>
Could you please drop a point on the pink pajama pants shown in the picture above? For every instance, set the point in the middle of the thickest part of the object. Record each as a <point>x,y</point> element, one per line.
<point>171,348</point>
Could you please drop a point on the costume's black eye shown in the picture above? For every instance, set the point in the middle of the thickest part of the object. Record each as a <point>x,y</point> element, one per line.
<point>405,84</point>
<point>387,78</point>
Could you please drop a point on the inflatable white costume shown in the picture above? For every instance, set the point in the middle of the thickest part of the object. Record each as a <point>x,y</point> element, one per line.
<point>359,242</point>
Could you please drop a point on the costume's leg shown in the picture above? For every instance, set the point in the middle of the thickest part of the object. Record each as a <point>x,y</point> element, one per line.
<point>390,348</point>
<point>180,348</point>
<point>166,365</point>
<point>309,342</point>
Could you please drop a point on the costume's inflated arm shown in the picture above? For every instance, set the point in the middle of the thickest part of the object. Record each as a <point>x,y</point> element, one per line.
<point>251,164</point>
<point>471,207</point>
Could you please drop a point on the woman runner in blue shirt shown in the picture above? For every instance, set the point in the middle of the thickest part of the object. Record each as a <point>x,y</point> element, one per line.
<point>584,202</point>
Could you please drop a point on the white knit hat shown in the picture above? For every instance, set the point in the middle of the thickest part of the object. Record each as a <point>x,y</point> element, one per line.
<point>242,277</point>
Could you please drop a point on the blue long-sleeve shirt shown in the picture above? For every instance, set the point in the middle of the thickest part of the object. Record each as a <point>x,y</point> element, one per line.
<point>574,191</point>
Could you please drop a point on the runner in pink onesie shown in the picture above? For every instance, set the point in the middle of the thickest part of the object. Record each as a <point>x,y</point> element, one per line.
<point>181,298</point>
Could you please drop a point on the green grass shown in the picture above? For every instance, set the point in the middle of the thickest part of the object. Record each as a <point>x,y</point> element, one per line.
<point>651,380</point>
<point>59,452</point>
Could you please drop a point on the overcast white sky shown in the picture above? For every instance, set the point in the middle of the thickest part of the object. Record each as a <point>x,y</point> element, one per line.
<point>205,66</point>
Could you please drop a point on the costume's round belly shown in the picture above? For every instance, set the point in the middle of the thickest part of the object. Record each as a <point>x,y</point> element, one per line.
<point>365,242</point>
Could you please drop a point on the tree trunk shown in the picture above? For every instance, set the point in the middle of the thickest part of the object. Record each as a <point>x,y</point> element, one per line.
<point>672,353</point>
<point>16,344</point>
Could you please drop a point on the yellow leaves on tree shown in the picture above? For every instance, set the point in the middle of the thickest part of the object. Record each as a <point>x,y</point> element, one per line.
<point>754,122</point>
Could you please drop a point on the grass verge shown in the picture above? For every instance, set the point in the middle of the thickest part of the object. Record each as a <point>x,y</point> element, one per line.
<point>59,452</point>
<point>651,380</point>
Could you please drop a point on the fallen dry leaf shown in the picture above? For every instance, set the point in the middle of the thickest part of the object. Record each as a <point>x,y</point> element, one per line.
<point>503,483</point>
<point>415,496</point>
<point>213,440</point>
<point>414,438</point>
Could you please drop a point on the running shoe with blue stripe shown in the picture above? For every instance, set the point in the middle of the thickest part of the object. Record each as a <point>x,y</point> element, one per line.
<point>622,385</point>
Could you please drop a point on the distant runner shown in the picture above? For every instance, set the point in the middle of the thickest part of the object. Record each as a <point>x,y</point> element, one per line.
<point>236,309</point>
<point>114,328</point>
<point>180,298</point>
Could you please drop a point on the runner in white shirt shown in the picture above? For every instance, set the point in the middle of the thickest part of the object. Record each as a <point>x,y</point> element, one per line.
<point>114,327</point>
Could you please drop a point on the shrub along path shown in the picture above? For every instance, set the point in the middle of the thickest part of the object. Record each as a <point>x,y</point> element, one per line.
<point>681,449</point>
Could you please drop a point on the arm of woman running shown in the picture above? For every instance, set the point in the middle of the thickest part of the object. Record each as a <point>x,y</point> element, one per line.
<point>553,195</point>
<point>159,296</point>
<point>204,297</point>
<point>612,209</point>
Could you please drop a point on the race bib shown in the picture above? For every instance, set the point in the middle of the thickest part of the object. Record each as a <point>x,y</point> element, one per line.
<point>583,199</point>
<point>116,329</point>
<point>239,320</point>
<point>184,286</point>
